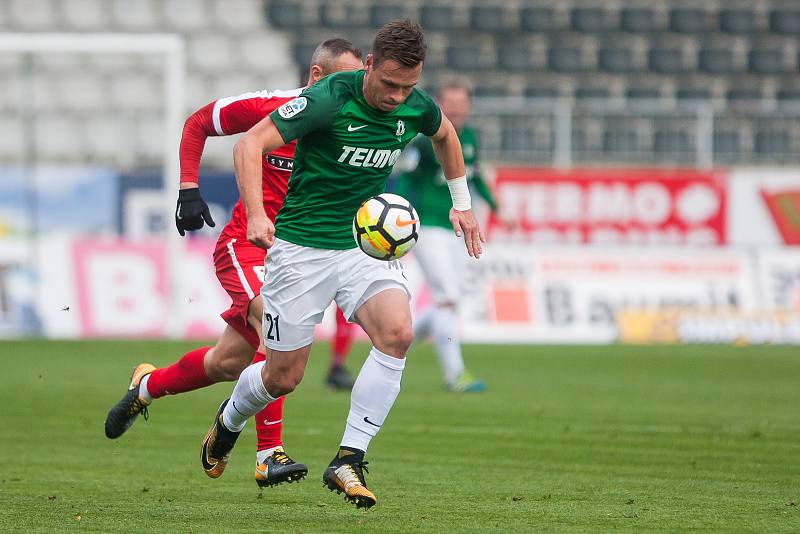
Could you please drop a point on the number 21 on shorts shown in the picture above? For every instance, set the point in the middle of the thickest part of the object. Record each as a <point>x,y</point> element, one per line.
<point>271,329</point>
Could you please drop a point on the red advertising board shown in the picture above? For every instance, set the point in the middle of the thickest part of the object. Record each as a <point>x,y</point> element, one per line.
<point>784,206</point>
<point>612,206</point>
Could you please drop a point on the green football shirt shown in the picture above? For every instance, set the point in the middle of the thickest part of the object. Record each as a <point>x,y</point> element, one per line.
<point>345,152</point>
<point>423,183</point>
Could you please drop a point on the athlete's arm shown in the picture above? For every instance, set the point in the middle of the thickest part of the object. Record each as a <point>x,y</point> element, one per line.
<point>192,211</point>
<point>448,151</point>
<point>247,154</point>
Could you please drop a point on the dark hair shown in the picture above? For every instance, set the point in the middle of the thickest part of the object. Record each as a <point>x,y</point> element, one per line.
<point>333,48</point>
<point>400,40</point>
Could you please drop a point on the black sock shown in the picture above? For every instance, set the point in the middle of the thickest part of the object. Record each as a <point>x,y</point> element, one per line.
<point>349,452</point>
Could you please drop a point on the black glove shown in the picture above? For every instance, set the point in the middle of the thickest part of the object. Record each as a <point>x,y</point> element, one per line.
<point>192,210</point>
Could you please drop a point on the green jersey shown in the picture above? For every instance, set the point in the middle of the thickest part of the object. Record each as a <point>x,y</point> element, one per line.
<point>423,183</point>
<point>345,152</point>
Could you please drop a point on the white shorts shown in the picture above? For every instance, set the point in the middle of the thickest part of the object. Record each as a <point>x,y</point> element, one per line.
<point>301,282</point>
<point>441,257</point>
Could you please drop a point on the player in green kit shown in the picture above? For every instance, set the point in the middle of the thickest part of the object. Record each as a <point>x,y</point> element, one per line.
<point>439,252</point>
<point>351,129</point>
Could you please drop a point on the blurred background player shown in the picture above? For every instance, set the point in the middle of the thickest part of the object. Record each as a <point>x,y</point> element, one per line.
<point>339,378</point>
<point>313,259</point>
<point>439,252</point>
<point>239,267</point>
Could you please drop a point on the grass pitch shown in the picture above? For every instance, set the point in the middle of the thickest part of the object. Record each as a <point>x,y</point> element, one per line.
<point>566,438</point>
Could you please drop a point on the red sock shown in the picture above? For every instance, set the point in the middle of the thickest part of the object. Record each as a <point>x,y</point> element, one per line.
<point>186,374</point>
<point>269,421</point>
<point>342,340</point>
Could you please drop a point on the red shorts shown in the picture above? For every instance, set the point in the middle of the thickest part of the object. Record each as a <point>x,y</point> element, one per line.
<point>240,270</point>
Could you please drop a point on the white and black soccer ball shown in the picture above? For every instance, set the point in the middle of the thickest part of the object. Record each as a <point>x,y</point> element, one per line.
<point>386,226</point>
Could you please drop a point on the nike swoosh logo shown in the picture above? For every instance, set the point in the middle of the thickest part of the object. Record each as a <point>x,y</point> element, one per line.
<point>267,422</point>
<point>366,420</point>
<point>204,458</point>
<point>351,128</point>
<point>234,407</point>
<point>401,223</point>
<point>178,214</point>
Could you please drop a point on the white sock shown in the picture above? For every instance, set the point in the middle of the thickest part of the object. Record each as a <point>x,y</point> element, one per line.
<point>444,330</point>
<point>249,397</point>
<point>261,456</point>
<point>143,393</point>
<point>373,395</point>
<point>422,323</point>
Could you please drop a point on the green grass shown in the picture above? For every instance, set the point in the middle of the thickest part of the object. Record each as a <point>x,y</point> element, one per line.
<point>566,438</point>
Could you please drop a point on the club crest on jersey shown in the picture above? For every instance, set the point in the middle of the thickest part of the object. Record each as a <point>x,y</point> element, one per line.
<point>290,109</point>
<point>401,129</point>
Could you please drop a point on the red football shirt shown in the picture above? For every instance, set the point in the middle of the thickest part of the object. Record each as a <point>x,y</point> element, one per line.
<point>233,115</point>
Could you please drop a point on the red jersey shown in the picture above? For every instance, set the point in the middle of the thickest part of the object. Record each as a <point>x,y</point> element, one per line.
<point>233,115</point>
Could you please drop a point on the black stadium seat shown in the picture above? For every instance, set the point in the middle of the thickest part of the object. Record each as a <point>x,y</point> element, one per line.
<point>766,61</point>
<point>518,139</point>
<point>671,142</point>
<point>335,15</point>
<point>642,93</point>
<point>591,93</point>
<point>616,60</point>
<point>727,142</point>
<point>285,14</point>
<point>625,140</point>
<point>716,61</point>
<point>542,92</point>
<point>515,56</point>
<point>743,93</point>
<point>437,17</point>
<point>538,19</point>
<point>381,13</point>
<point>490,91</point>
<point>788,95</point>
<point>738,21</point>
<point>693,94</point>
<point>773,142</point>
<point>636,20</point>
<point>689,21</point>
<point>488,19</point>
<point>666,60</point>
<point>302,54</point>
<point>590,19</point>
<point>568,59</point>
<point>464,57</point>
<point>785,22</point>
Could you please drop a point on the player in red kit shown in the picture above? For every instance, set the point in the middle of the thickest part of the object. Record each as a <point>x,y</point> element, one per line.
<point>239,266</point>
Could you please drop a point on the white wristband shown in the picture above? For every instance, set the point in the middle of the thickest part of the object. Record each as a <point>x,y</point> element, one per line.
<point>459,193</point>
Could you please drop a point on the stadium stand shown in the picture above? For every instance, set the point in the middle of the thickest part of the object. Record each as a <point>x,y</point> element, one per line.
<point>651,56</point>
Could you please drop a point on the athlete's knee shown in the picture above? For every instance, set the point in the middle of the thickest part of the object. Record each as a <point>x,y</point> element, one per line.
<point>281,377</point>
<point>224,367</point>
<point>395,338</point>
<point>278,384</point>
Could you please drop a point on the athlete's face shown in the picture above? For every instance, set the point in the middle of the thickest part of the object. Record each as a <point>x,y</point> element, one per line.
<point>388,84</point>
<point>454,103</point>
<point>346,61</point>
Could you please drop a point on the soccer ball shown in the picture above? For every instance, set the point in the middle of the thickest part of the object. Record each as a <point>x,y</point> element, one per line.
<point>386,226</point>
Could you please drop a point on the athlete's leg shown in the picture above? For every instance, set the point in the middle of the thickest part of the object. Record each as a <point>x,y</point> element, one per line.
<point>440,256</point>
<point>338,376</point>
<point>263,383</point>
<point>386,318</point>
<point>269,421</point>
<point>192,371</point>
